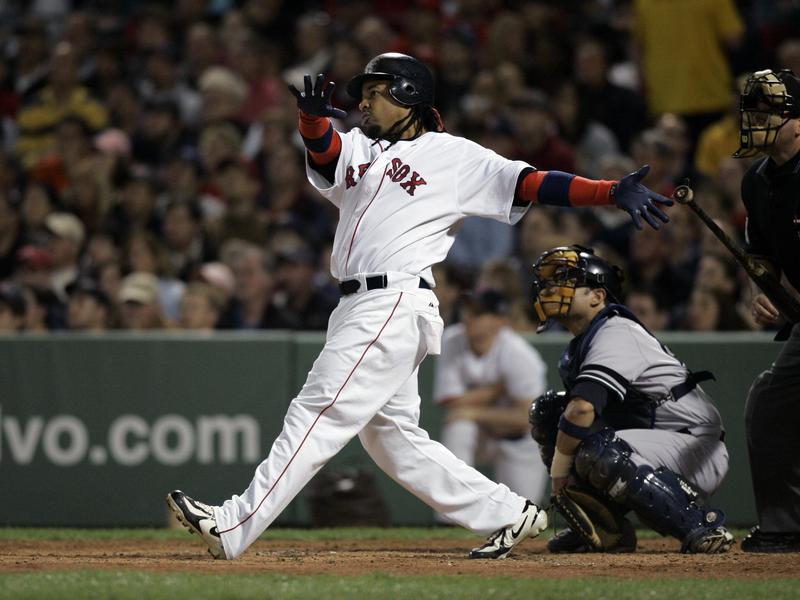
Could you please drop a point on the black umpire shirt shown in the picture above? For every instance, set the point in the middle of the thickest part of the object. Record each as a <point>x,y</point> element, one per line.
<point>771,195</point>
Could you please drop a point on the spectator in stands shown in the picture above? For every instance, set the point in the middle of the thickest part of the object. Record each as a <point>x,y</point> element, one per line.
<point>712,310</point>
<point>302,305</point>
<point>64,244</point>
<point>159,136</point>
<point>185,239</point>
<point>591,140</point>
<point>242,218</point>
<point>38,305</point>
<point>650,267</point>
<point>89,307</point>
<point>252,307</point>
<point>144,253</point>
<point>648,308</point>
<point>223,94</point>
<point>136,206</point>
<point>30,64</point>
<point>12,310</point>
<point>536,133</point>
<point>12,236</point>
<point>62,97</point>
<point>622,110</point>
<point>139,306</point>
<point>201,307</point>
<point>503,275</point>
<point>673,39</point>
<point>720,139</point>
<point>162,84</point>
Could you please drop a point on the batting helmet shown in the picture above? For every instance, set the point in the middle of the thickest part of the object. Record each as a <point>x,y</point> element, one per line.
<point>410,81</point>
<point>561,270</point>
<point>767,102</point>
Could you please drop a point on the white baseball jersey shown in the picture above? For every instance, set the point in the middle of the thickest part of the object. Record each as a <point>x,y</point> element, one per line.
<point>513,362</point>
<point>398,205</point>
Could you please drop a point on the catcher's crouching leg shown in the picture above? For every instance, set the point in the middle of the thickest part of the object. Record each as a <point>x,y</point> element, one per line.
<point>596,524</point>
<point>660,498</point>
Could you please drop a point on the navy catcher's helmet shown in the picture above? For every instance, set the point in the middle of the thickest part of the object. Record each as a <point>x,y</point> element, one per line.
<point>561,270</point>
<point>410,81</point>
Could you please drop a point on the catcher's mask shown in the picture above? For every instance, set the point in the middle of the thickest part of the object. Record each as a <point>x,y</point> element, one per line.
<point>769,100</point>
<point>560,271</point>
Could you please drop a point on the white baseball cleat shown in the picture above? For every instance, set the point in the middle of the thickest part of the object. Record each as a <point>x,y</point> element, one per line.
<point>531,523</point>
<point>197,518</point>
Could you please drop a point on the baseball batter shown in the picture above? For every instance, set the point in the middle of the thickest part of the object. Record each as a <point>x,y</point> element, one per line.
<point>401,184</point>
<point>636,429</point>
<point>486,378</point>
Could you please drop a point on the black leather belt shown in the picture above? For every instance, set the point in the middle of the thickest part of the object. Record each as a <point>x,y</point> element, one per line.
<point>375,282</point>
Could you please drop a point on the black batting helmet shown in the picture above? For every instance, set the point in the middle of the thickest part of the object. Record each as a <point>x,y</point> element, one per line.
<point>410,81</point>
<point>561,270</point>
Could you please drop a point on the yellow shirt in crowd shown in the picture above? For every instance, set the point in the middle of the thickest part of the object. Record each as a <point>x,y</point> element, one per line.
<point>684,59</point>
<point>37,122</point>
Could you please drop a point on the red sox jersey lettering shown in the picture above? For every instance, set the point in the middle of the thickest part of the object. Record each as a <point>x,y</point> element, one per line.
<point>350,173</point>
<point>397,173</point>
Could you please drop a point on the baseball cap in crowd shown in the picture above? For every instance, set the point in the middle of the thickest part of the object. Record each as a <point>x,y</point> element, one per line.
<point>139,287</point>
<point>66,226</point>
<point>487,300</point>
<point>12,298</point>
<point>89,287</point>
<point>34,258</point>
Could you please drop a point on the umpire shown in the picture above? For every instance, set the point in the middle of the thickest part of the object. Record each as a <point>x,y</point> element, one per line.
<point>770,125</point>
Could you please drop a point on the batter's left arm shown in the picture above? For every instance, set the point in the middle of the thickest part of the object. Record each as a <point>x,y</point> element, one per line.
<point>557,188</point>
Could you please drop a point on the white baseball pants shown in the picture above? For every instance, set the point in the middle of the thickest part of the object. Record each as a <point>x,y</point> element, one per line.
<point>364,383</point>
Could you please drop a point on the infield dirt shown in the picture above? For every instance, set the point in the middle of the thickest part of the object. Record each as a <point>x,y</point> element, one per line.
<point>655,559</point>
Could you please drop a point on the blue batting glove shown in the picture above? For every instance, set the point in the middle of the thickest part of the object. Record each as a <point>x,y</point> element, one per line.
<point>639,201</point>
<point>316,99</point>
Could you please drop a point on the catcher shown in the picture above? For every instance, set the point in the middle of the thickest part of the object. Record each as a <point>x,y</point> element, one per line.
<point>633,431</point>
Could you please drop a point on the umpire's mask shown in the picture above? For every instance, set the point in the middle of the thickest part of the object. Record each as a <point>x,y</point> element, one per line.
<point>560,271</point>
<point>769,100</point>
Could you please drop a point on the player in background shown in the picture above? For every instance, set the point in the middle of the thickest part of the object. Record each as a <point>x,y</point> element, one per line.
<point>770,125</point>
<point>401,184</point>
<point>486,378</point>
<point>633,429</point>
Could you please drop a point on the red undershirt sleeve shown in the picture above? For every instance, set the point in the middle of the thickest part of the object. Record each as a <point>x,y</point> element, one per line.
<point>320,138</point>
<point>556,188</point>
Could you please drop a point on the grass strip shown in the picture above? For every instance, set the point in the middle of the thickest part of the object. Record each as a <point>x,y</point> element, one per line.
<point>133,585</point>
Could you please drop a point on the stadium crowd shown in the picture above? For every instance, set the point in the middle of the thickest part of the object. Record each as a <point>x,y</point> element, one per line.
<point>152,176</point>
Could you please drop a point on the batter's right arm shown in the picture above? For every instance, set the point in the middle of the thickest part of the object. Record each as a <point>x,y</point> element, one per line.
<point>322,141</point>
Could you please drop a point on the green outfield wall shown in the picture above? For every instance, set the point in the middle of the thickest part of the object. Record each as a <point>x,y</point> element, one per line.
<point>95,430</point>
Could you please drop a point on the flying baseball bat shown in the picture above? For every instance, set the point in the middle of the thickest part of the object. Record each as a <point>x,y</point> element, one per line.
<point>763,277</point>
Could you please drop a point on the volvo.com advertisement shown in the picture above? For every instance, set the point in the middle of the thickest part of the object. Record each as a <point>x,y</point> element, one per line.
<point>130,440</point>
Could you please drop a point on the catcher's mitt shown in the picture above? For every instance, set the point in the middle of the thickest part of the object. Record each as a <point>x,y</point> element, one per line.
<point>599,525</point>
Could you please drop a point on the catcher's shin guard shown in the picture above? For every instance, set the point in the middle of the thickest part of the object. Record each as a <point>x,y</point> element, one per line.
<point>666,502</point>
<point>660,498</point>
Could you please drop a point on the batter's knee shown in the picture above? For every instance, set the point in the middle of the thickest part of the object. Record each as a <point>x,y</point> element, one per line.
<point>603,461</point>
